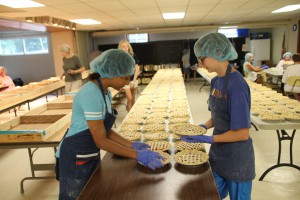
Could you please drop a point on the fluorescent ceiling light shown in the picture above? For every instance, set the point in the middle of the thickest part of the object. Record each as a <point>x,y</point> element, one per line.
<point>230,27</point>
<point>85,21</point>
<point>20,3</point>
<point>178,15</point>
<point>287,8</point>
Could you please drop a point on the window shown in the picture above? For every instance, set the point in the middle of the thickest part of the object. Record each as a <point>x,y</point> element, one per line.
<point>21,46</point>
<point>229,33</point>
<point>138,38</point>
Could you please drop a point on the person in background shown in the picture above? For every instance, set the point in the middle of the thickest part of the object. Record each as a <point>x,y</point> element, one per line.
<point>91,123</point>
<point>250,70</point>
<point>286,58</point>
<point>130,89</point>
<point>231,154</point>
<point>194,68</point>
<point>5,80</point>
<point>72,67</point>
<point>291,77</point>
<point>186,64</point>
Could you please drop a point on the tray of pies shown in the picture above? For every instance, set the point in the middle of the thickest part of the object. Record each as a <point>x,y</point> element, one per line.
<point>132,136</point>
<point>166,156</point>
<point>174,120</point>
<point>191,157</point>
<point>154,127</point>
<point>159,145</point>
<point>155,120</point>
<point>130,127</point>
<point>292,117</point>
<point>271,117</point>
<point>161,135</point>
<point>187,129</point>
<point>182,145</point>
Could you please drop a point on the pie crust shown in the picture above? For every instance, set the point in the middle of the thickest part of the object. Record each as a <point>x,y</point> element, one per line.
<point>191,157</point>
<point>154,127</point>
<point>130,127</point>
<point>175,120</point>
<point>182,145</point>
<point>159,145</point>
<point>155,120</point>
<point>133,120</point>
<point>131,135</point>
<point>187,129</point>
<point>156,136</point>
<point>166,156</point>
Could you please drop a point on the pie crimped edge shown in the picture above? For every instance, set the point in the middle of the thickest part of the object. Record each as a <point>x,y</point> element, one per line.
<point>182,145</point>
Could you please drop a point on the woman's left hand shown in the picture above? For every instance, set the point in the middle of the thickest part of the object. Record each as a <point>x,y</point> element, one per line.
<point>140,146</point>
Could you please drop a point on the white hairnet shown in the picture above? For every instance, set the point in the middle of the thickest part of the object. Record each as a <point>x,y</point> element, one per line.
<point>215,45</point>
<point>247,56</point>
<point>113,63</point>
<point>287,54</point>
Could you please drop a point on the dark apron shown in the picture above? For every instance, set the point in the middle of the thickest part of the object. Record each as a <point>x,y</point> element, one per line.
<point>234,160</point>
<point>79,157</point>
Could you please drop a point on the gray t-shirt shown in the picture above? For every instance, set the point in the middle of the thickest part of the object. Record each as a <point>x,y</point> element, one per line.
<point>72,63</point>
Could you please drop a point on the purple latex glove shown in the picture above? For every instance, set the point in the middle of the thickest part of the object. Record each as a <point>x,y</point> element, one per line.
<point>140,146</point>
<point>203,126</point>
<point>198,138</point>
<point>150,159</point>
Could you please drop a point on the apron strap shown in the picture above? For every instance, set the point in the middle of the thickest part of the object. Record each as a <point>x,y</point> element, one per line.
<point>102,91</point>
<point>228,71</point>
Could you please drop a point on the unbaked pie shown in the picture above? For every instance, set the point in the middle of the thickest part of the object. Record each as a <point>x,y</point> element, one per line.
<point>175,120</point>
<point>159,145</point>
<point>155,120</point>
<point>187,129</point>
<point>166,156</point>
<point>130,127</point>
<point>161,135</point>
<point>191,157</point>
<point>131,135</point>
<point>154,127</point>
<point>133,120</point>
<point>182,145</point>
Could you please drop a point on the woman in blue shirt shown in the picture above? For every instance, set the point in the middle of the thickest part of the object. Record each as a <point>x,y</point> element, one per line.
<point>231,155</point>
<point>92,119</point>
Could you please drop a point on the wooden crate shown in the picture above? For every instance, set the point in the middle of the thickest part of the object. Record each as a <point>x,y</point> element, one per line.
<point>34,128</point>
<point>52,108</point>
<point>64,98</point>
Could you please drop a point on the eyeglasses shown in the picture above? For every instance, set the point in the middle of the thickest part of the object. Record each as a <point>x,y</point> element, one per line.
<point>201,59</point>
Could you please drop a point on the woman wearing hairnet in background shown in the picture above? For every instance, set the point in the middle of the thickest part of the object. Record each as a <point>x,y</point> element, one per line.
<point>231,154</point>
<point>92,119</point>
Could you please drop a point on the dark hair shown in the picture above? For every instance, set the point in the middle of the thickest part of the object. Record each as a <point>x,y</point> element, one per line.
<point>94,76</point>
<point>296,57</point>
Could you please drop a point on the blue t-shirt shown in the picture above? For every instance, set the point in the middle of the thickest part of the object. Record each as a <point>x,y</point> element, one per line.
<point>238,99</point>
<point>88,104</point>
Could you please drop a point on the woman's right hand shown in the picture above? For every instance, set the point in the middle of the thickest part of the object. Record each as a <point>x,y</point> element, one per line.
<point>150,159</point>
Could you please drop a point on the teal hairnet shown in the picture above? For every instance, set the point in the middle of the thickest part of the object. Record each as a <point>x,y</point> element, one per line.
<point>215,45</point>
<point>287,54</point>
<point>247,56</point>
<point>113,63</point>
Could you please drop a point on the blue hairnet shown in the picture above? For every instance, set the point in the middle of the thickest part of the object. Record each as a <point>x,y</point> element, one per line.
<point>113,63</point>
<point>287,54</point>
<point>215,45</point>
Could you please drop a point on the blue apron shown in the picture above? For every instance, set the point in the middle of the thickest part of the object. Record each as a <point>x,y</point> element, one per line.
<point>79,157</point>
<point>235,160</point>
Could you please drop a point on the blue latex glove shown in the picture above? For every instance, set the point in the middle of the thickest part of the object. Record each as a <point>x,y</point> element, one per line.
<point>150,159</point>
<point>140,146</point>
<point>198,138</point>
<point>203,126</point>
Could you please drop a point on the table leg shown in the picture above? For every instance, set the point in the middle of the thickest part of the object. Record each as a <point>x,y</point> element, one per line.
<point>202,85</point>
<point>282,135</point>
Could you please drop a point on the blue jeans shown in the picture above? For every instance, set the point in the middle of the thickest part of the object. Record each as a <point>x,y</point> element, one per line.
<point>237,190</point>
